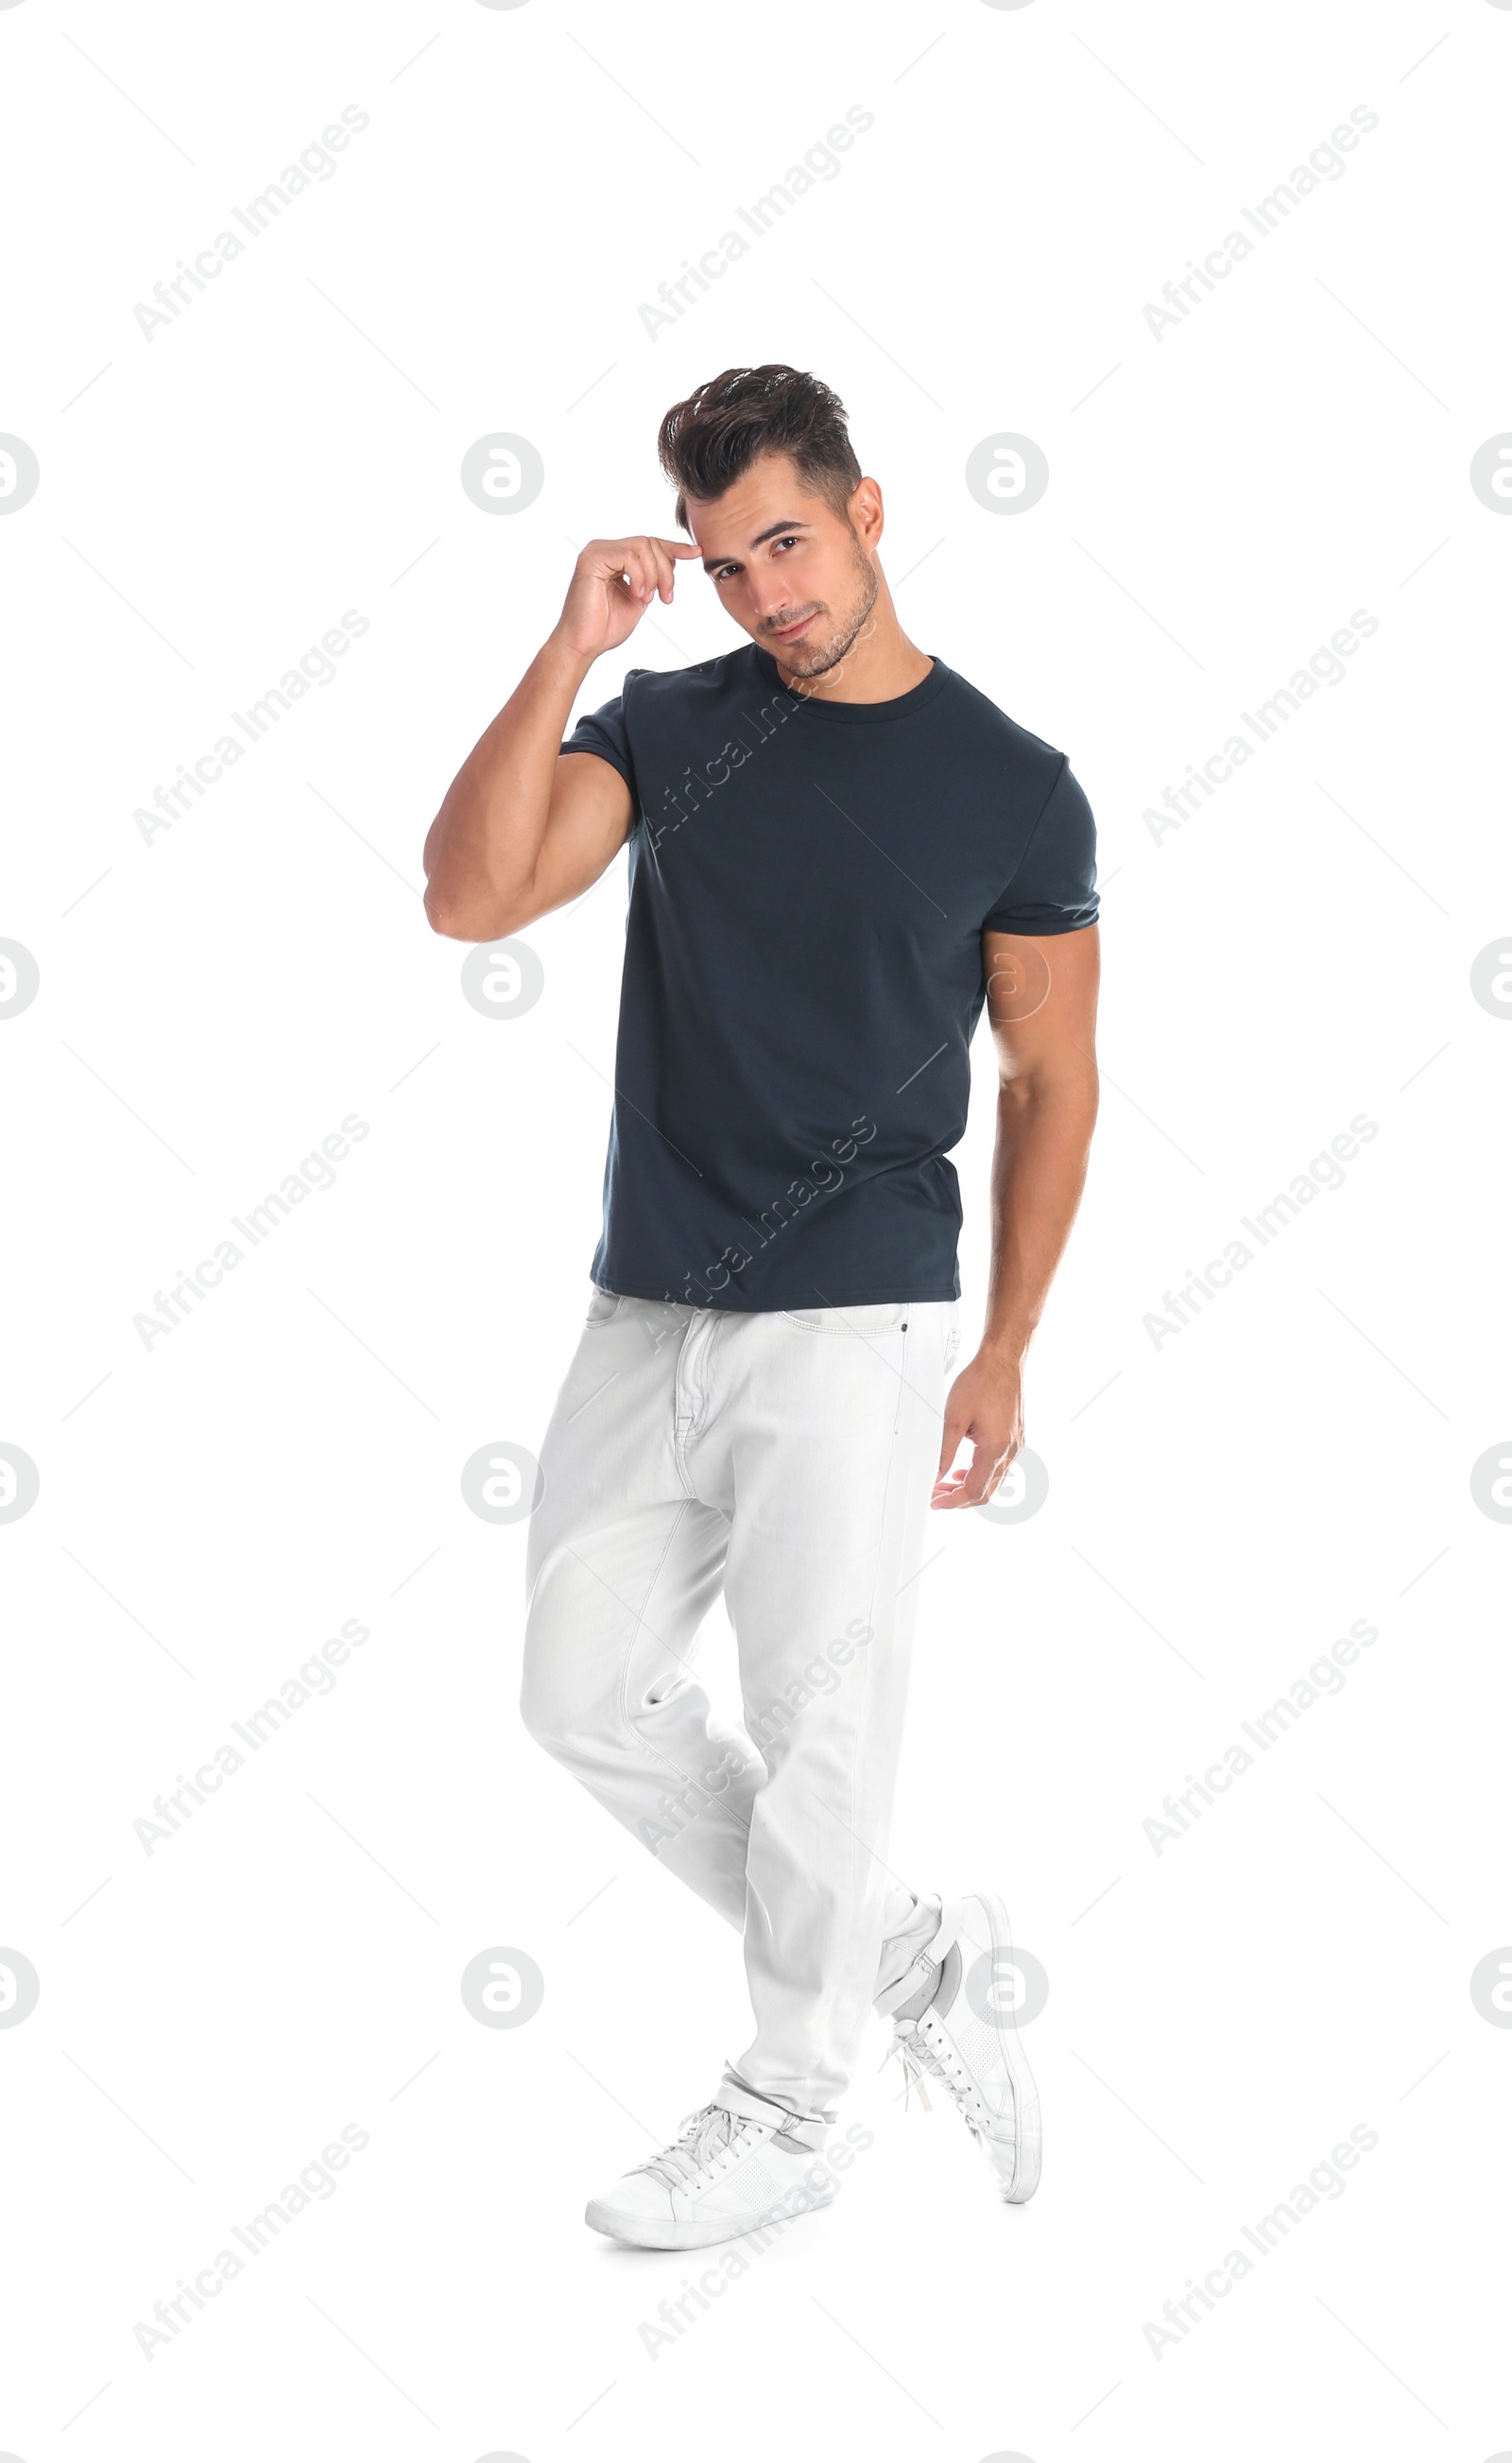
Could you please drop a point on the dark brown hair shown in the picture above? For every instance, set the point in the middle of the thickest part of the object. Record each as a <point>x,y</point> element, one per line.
<point>708,441</point>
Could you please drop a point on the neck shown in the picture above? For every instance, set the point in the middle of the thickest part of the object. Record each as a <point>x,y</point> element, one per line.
<point>881,664</point>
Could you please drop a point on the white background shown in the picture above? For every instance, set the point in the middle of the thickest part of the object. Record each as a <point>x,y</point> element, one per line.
<point>214,1002</point>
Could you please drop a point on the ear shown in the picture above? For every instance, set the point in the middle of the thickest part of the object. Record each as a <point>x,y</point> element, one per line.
<point>865,509</point>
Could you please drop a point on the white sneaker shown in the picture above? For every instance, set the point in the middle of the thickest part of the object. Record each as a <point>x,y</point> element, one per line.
<point>721,2176</point>
<point>962,2040</point>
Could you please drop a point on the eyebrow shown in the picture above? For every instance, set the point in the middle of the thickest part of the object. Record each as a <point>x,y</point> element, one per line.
<point>774,529</point>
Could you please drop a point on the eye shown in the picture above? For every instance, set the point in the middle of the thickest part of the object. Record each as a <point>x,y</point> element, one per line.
<point>791,540</point>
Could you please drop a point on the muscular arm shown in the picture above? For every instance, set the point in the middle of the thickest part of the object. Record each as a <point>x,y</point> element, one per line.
<point>523,827</point>
<point>1041,1005</point>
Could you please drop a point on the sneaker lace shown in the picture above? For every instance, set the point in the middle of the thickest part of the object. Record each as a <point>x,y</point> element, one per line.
<point>699,2138</point>
<point>920,2061</point>
<point>917,2062</point>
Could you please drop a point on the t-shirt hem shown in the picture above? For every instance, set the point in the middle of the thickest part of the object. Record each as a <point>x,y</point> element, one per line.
<point>806,1299</point>
<point>1039,930</point>
<point>601,752</point>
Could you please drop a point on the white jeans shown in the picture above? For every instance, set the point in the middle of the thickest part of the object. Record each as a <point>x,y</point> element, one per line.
<point>789,1456</point>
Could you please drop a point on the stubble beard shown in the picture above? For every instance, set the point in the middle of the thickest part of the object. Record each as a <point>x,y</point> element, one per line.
<point>806,660</point>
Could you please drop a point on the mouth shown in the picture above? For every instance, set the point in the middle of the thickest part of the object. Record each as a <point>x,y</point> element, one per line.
<point>791,632</point>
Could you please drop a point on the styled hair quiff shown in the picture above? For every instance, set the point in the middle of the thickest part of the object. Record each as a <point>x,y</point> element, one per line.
<point>708,441</point>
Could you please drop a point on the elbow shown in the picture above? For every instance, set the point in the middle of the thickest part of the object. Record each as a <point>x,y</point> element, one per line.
<point>461,917</point>
<point>443,915</point>
<point>461,903</point>
<point>1073,1090</point>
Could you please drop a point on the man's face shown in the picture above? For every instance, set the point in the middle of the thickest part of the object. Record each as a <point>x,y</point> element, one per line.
<point>797,575</point>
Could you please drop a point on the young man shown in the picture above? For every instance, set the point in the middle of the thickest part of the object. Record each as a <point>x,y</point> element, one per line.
<point>838,851</point>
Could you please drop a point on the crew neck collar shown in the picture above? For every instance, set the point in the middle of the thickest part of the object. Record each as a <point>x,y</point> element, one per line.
<point>858,713</point>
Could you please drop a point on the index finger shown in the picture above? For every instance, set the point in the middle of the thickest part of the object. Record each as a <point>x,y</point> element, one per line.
<point>661,554</point>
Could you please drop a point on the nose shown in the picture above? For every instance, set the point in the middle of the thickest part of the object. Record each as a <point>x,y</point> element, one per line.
<point>770,597</point>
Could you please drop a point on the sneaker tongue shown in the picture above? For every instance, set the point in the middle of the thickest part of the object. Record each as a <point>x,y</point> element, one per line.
<point>949,1980</point>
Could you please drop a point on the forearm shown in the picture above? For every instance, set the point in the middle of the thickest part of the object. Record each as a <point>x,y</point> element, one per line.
<point>1039,1167</point>
<point>482,847</point>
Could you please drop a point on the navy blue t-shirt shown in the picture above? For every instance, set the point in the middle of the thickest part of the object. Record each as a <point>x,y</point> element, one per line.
<point>810,881</point>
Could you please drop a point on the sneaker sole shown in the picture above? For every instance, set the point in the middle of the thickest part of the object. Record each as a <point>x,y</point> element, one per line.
<point>1028,2134</point>
<point>655,2232</point>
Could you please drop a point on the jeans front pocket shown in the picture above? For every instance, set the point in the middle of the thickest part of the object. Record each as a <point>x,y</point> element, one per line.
<point>872,1317</point>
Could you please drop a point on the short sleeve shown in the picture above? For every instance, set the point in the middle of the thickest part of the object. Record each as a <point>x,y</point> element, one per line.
<point>1053,888</point>
<point>604,732</point>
